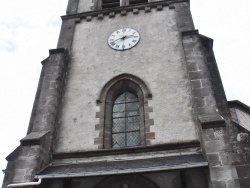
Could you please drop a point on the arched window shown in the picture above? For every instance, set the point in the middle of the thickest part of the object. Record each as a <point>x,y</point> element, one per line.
<point>124,116</point>
<point>126,121</point>
<point>106,4</point>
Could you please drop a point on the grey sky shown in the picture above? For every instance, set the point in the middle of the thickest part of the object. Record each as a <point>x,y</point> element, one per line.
<point>29,28</point>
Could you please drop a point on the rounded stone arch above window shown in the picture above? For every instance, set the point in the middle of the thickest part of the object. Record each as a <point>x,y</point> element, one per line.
<point>127,85</point>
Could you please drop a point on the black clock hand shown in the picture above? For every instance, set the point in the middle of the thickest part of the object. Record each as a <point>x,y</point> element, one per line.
<point>118,39</point>
<point>129,36</point>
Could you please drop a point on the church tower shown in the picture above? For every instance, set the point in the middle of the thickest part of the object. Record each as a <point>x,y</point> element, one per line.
<point>130,98</point>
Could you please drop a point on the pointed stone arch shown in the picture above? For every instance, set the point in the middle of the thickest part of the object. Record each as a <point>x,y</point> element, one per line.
<point>146,92</point>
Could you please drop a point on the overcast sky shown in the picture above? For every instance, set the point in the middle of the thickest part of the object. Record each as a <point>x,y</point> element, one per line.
<point>29,28</point>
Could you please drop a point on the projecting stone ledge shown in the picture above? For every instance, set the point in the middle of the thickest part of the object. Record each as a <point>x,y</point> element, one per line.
<point>211,121</point>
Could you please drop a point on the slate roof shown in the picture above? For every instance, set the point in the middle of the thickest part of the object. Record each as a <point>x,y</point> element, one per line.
<point>240,114</point>
<point>122,167</point>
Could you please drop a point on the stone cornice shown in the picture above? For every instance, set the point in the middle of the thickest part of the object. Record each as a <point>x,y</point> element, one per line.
<point>58,51</point>
<point>129,8</point>
<point>191,32</point>
<point>105,152</point>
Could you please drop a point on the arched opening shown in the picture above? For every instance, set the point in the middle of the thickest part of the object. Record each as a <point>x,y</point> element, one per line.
<point>124,116</point>
<point>127,181</point>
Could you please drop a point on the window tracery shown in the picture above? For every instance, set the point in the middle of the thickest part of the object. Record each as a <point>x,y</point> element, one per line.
<point>124,116</point>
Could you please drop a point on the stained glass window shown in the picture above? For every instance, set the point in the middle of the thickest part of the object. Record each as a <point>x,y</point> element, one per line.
<point>126,121</point>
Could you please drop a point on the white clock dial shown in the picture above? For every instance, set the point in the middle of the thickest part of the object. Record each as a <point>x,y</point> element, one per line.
<point>123,39</point>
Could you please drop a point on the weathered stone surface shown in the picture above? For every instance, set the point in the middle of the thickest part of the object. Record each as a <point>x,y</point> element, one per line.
<point>223,173</point>
<point>186,95</point>
<point>173,118</point>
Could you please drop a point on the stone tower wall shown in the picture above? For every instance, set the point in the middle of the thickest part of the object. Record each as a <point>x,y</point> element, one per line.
<point>158,59</point>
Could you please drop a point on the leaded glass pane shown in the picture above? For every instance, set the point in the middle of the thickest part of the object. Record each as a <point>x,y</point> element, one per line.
<point>119,114</point>
<point>119,108</point>
<point>132,123</point>
<point>126,121</point>
<point>131,97</point>
<point>118,140</point>
<point>120,99</point>
<point>118,125</point>
<point>133,139</point>
<point>132,109</point>
<point>132,106</point>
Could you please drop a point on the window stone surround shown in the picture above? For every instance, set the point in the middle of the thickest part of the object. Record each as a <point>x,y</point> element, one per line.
<point>104,136</point>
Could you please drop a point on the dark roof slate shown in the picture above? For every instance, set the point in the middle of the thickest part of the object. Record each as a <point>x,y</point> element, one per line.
<point>121,167</point>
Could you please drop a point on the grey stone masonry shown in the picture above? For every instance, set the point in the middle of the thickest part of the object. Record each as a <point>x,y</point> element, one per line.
<point>34,152</point>
<point>218,89</point>
<point>72,6</point>
<point>228,158</point>
<point>183,15</point>
<point>203,94</point>
<point>67,33</point>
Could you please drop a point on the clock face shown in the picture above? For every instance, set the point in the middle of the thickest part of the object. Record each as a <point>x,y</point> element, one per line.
<point>123,39</point>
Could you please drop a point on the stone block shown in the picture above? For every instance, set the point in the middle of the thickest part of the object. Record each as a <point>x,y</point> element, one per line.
<point>149,122</point>
<point>230,158</point>
<point>193,67</point>
<point>233,184</point>
<point>98,141</point>
<point>214,146</point>
<point>52,77</point>
<point>147,9</point>
<point>30,162</point>
<point>213,159</point>
<point>208,134</point>
<point>223,173</point>
<point>34,138</point>
<point>218,184</point>
<point>190,45</point>
<point>207,110</point>
<point>54,70</point>
<point>89,18</point>
<point>198,75</point>
<point>148,109</point>
<point>99,115</point>
<point>244,182</point>
<point>211,120</point>
<point>171,6</point>
<point>98,127</point>
<point>100,16</point>
<point>72,7</point>
<point>123,13</point>
<point>196,84</point>
<point>243,170</point>
<point>150,135</point>
<point>159,7</point>
<point>111,14</point>
<point>205,83</point>
<point>199,102</point>
<point>65,38</point>
<point>194,59</point>
<point>135,11</point>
